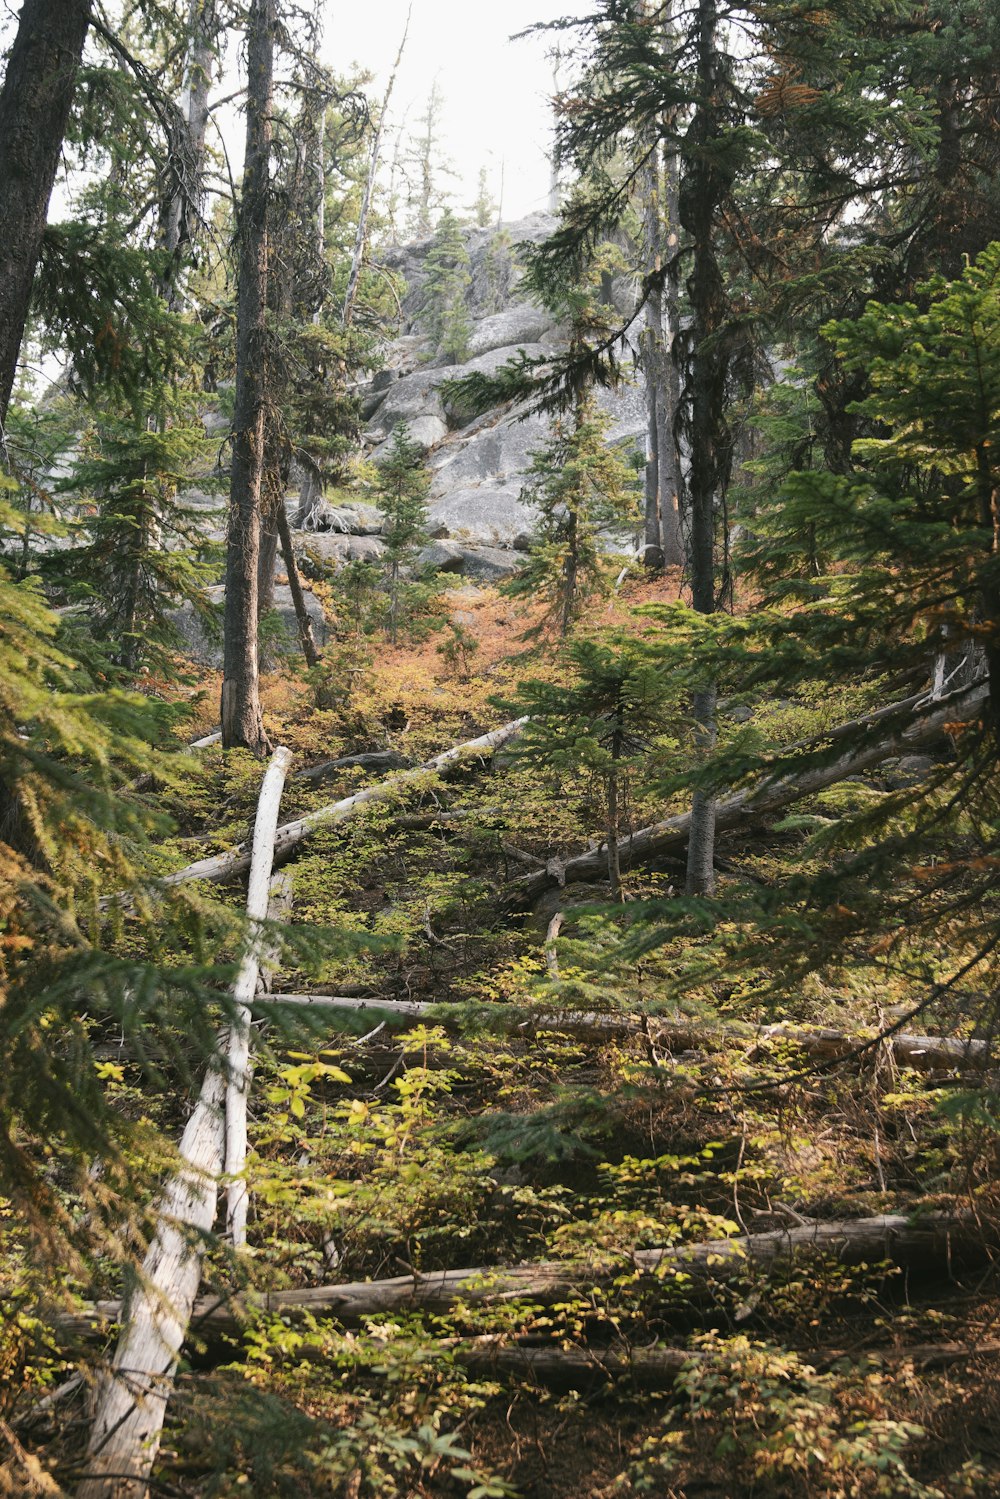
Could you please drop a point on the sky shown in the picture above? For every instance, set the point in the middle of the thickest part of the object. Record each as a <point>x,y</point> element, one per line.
<point>496,113</point>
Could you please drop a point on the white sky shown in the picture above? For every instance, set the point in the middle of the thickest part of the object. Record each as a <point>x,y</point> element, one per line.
<point>495,90</point>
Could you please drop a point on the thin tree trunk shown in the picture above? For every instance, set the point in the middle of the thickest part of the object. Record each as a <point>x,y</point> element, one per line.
<point>707,393</point>
<point>361,236</point>
<point>295,588</point>
<point>182,208</point>
<point>954,1054</point>
<point>658,1368</point>
<point>132,1397</point>
<point>701,841</point>
<point>242,721</point>
<point>34,109</point>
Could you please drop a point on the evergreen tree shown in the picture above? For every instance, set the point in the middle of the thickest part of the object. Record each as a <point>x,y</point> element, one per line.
<point>484,209</point>
<point>444,312</point>
<point>144,556</point>
<point>603,721</point>
<point>581,488</point>
<point>403,485</point>
<point>426,167</point>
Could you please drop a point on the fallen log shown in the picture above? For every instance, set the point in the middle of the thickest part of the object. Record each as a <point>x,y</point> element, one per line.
<point>822,1043</point>
<point>919,1243</point>
<point>742,809</point>
<point>658,1368</point>
<point>259,896</point>
<point>131,1397</point>
<point>230,865</point>
<point>380,761</point>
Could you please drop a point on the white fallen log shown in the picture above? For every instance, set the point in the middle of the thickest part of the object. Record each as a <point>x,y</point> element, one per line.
<point>244,993</point>
<point>131,1397</point>
<point>229,865</point>
<point>916,1243</point>
<point>822,1043</point>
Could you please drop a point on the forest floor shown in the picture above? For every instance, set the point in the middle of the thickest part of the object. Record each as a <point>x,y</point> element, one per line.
<point>485,1136</point>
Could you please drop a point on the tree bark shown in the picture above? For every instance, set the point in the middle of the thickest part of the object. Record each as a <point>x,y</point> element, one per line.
<point>242,721</point>
<point>132,1397</point>
<point>34,109</point>
<point>306,636</point>
<point>921,1243</point>
<point>244,993</point>
<point>658,1368</point>
<point>182,207</point>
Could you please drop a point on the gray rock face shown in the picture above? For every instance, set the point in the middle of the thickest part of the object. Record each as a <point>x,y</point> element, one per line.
<point>524,323</point>
<point>485,516</point>
<point>204,643</point>
<point>425,432</point>
<point>353,520</point>
<point>479,467</point>
<point>489,564</point>
<point>322,552</point>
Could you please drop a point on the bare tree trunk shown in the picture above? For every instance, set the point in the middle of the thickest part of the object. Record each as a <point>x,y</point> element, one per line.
<point>132,1397</point>
<point>295,588</point>
<point>244,992</point>
<point>361,237</point>
<point>242,721</point>
<point>34,108</point>
<point>182,208</point>
<point>823,1044</point>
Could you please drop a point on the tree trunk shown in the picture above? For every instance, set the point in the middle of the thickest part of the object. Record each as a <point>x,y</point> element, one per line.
<point>242,721</point>
<point>361,236</point>
<point>182,208</point>
<point>132,1397</point>
<point>658,1368</point>
<point>820,1044</point>
<point>707,400</point>
<point>923,1243</point>
<point>701,839</point>
<point>295,588</point>
<point>244,993</point>
<point>34,108</point>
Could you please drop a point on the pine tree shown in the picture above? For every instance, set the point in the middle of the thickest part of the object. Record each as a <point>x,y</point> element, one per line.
<point>603,720</point>
<point>403,485</point>
<point>581,488</point>
<point>426,167</point>
<point>144,556</point>
<point>484,209</point>
<point>444,312</point>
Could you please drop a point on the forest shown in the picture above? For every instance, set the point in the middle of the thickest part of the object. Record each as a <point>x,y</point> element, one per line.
<point>499,786</point>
